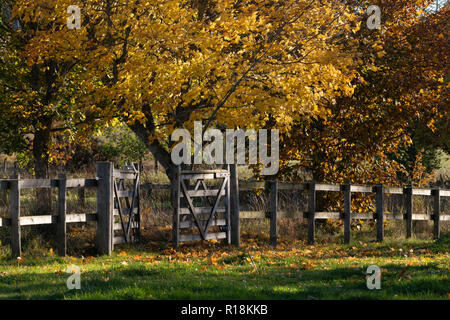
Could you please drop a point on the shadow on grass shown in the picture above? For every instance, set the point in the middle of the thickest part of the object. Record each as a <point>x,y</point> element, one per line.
<point>172,281</point>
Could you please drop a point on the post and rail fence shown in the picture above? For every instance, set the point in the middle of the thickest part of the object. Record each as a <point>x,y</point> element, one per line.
<point>273,213</point>
<point>113,215</point>
<point>109,207</point>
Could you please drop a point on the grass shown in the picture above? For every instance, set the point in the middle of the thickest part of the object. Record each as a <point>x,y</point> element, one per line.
<point>414,269</point>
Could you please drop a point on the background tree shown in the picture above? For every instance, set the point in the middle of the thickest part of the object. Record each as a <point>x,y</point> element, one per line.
<point>399,107</point>
<point>36,100</point>
<point>160,65</point>
<point>400,94</point>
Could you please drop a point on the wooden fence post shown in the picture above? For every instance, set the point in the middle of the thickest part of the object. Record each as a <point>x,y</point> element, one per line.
<point>3,195</point>
<point>347,211</point>
<point>380,212</point>
<point>273,206</point>
<point>227,214</point>
<point>61,229</point>
<point>14,214</point>
<point>3,192</point>
<point>409,210</point>
<point>437,212</point>
<point>138,167</point>
<point>105,207</point>
<point>311,211</point>
<point>234,189</point>
<point>176,207</point>
<point>81,197</point>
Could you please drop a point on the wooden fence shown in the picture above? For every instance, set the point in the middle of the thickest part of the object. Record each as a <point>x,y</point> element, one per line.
<point>104,217</point>
<point>271,188</point>
<point>107,206</point>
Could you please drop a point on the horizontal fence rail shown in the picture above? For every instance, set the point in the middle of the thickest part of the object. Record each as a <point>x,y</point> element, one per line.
<point>49,183</point>
<point>103,217</point>
<point>106,211</point>
<point>15,221</point>
<point>273,213</point>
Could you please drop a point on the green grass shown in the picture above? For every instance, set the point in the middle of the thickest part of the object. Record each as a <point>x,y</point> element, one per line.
<point>255,271</point>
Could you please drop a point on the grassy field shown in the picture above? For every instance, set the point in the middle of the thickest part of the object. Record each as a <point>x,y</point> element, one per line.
<point>416,269</point>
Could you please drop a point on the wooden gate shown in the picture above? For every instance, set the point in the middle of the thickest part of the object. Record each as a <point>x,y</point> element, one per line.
<point>126,219</point>
<point>199,208</point>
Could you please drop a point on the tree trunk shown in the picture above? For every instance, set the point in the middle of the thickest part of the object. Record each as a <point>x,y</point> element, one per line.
<point>41,165</point>
<point>158,151</point>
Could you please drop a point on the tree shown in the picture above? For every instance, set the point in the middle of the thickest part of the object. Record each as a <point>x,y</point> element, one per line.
<point>35,94</point>
<point>161,64</point>
<point>400,92</point>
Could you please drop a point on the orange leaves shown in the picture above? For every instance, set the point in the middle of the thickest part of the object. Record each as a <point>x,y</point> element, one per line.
<point>213,261</point>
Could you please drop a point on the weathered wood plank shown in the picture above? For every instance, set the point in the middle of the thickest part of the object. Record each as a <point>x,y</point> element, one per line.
<point>328,215</point>
<point>421,192</point>
<point>363,216</point>
<point>227,201</point>
<point>362,189</point>
<point>409,211</point>
<point>347,211</point>
<point>209,236</point>
<point>81,217</point>
<point>61,228</point>
<point>234,203</point>
<point>38,183</point>
<point>445,217</point>
<point>198,176</point>
<point>105,202</point>
<point>311,211</point>
<point>437,212</point>
<point>204,193</point>
<point>14,214</point>
<point>445,193</point>
<point>176,204</point>
<point>38,220</point>
<point>380,212</point>
<point>393,190</point>
<point>422,217</point>
<point>327,187</point>
<point>200,210</point>
<point>273,207</point>
<point>191,224</point>
<point>389,216</point>
<point>124,175</point>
